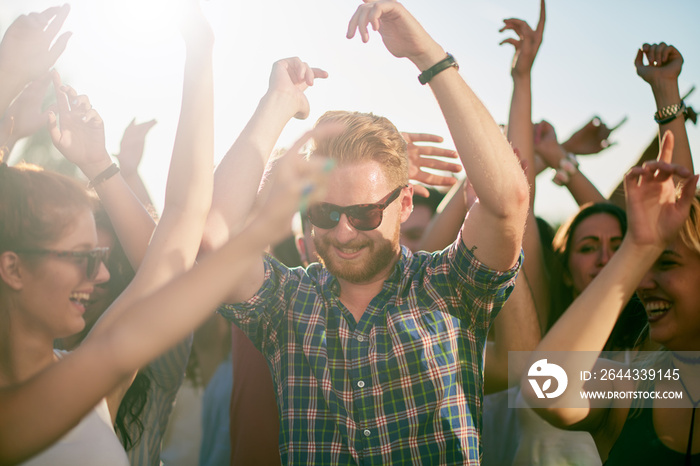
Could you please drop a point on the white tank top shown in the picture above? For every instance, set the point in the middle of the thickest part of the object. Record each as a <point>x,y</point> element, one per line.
<point>92,442</point>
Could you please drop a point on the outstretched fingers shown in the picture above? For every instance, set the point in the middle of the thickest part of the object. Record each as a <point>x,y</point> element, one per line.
<point>520,27</point>
<point>421,137</point>
<point>54,18</point>
<point>368,13</point>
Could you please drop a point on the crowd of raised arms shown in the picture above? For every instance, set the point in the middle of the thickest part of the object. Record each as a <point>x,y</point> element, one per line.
<point>347,301</point>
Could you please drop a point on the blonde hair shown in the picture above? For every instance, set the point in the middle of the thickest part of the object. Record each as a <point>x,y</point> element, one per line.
<point>366,137</point>
<point>690,231</point>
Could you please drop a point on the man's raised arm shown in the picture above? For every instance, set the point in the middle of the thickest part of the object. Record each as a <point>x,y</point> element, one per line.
<point>494,227</point>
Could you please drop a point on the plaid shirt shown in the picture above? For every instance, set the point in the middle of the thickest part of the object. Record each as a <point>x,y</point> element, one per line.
<point>401,386</point>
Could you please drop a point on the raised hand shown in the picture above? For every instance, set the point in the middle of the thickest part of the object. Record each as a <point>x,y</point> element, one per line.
<point>195,28</point>
<point>132,145</point>
<point>292,77</point>
<point>664,63</point>
<point>655,212</point>
<point>591,138</point>
<point>420,157</point>
<point>25,116</point>
<point>78,131</point>
<point>527,44</point>
<point>26,51</point>
<point>293,183</point>
<point>547,145</point>
<point>403,36</point>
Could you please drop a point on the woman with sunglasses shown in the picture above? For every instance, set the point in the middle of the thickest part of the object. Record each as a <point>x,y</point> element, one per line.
<point>50,265</point>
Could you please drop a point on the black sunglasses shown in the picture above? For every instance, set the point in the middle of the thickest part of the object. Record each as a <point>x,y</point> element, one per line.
<point>94,257</point>
<point>362,217</point>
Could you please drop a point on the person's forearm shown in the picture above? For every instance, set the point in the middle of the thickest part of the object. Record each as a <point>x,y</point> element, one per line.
<point>10,87</point>
<point>139,189</point>
<point>195,136</point>
<point>239,173</point>
<point>188,192</point>
<point>667,93</point>
<point>520,131</point>
<point>587,323</point>
<point>581,332</point>
<point>583,190</point>
<point>99,364</point>
<point>578,184</point>
<point>445,224</point>
<point>131,221</point>
<point>516,329</point>
<point>493,169</point>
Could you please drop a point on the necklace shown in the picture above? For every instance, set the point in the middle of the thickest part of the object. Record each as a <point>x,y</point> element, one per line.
<point>688,450</point>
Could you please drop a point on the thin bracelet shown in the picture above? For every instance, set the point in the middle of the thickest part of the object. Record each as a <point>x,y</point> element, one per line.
<point>103,176</point>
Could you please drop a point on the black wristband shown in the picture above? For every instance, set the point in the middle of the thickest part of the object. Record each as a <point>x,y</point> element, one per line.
<point>442,65</point>
<point>103,176</point>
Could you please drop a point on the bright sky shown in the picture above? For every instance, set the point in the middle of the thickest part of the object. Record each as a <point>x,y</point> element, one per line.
<point>127,57</point>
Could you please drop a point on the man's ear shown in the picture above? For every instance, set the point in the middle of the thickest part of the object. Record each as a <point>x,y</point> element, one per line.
<point>406,203</point>
<point>11,270</point>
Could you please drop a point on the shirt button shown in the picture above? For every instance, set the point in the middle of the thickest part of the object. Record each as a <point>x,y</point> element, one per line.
<point>360,338</point>
<point>367,433</point>
<point>360,384</point>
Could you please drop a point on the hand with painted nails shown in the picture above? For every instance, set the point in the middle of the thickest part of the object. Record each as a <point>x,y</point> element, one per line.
<point>78,130</point>
<point>420,157</point>
<point>28,49</point>
<point>655,210</point>
<point>526,45</point>
<point>291,77</point>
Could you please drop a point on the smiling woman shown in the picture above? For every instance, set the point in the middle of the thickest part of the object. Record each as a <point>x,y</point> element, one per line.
<point>49,267</point>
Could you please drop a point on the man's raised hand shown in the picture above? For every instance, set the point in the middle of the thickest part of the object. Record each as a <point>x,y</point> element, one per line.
<point>402,34</point>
